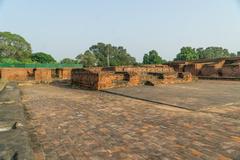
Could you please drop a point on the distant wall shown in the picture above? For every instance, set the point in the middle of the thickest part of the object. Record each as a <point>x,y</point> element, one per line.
<point>231,70</point>
<point>65,73</point>
<point>223,67</point>
<point>35,74</point>
<point>14,74</point>
<point>43,75</point>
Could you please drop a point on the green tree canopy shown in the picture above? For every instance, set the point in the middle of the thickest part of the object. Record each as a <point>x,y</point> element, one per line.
<point>9,60</point>
<point>189,53</point>
<point>238,53</point>
<point>186,54</point>
<point>14,46</point>
<point>41,57</point>
<point>68,61</point>
<point>152,57</point>
<point>103,52</point>
<point>213,52</point>
<point>233,55</point>
<point>87,59</point>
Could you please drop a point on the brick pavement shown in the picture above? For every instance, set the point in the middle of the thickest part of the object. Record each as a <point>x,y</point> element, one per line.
<point>71,124</point>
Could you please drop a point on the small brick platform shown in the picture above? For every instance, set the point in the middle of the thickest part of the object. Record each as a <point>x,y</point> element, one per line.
<point>125,76</point>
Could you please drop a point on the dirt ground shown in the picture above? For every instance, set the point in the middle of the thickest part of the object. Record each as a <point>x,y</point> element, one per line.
<point>71,124</point>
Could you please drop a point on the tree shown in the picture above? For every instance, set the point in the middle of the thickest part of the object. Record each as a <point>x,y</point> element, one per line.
<point>14,46</point>
<point>238,53</point>
<point>146,59</point>
<point>186,54</point>
<point>87,59</point>
<point>152,58</point>
<point>9,61</point>
<point>106,54</point>
<point>41,57</point>
<point>213,52</point>
<point>233,55</point>
<point>68,61</point>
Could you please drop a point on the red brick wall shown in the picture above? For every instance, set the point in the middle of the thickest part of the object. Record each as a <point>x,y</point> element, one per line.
<point>193,68</point>
<point>14,74</point>
<point>65,73</point>
<point>43,75</point>
<point>231,71</point>
<point>85,79</point>
<point>135,79</point>
<point>106,80</point>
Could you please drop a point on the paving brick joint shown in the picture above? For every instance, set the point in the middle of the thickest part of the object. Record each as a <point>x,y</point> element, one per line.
<point>71,124</point>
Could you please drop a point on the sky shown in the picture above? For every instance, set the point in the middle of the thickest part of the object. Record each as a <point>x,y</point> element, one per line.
<point>66,28</point>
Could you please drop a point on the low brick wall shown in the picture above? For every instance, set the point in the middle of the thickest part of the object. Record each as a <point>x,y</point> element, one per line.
<point>14,74</point>
<point>65,73</point>
<point>211,68</point>
<point>43,75</point>
<point>231,70</point>
<point>194,68</point>
<point>35,74</point>
<point>85,79</point>
<point>145,68</point>
<point>114,77</point>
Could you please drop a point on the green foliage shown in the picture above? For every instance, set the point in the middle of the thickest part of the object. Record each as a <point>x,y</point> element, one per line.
<point>88,59</point>
<point>27,61</point>
<point>238,53</point>
<point>98,55</point>
<point>152,58</point>
<point>14,46</point>
<point>146,59</point>
<point>9,61</point>
<point>189,53</point>
<point>41,57</point>
<point>186,54</point>
<point>68,61</point>
<point>233,55</point>
<point>213,52</point>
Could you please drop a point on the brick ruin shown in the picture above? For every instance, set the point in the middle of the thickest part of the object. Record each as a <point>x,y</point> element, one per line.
<point>126,76</point>
<point>41,75</point>
<point>215,68</point>
<point>98,78</point>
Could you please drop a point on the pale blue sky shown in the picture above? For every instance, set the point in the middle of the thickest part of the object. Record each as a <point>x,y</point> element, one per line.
<point>66,28</point>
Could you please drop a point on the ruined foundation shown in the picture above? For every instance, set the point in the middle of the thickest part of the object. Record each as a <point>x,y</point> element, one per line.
<point>221,68</point>
<point>125,76</point>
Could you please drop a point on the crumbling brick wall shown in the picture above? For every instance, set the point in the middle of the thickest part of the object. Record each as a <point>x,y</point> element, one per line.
<point>134,79</point>
<point>43,75</point>
<point>231,70</point>
<point>106,80</point>
<point>114,77</point>
<point>85,79</point>
<point>65,73</point>
<point>217,68</point>
<point>212,70</point>
<point>14,74</point>
<point>193,68</point>
<point>138,69</point>
<point>37,74</point>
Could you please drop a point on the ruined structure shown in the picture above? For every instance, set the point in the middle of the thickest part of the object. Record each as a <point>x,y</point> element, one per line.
<point>226,68</point>
<point>45,75</point>
<point>125,76</point>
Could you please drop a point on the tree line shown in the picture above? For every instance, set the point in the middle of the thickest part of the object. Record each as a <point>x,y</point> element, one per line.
<point>189,53</point>
<point>15,49</point>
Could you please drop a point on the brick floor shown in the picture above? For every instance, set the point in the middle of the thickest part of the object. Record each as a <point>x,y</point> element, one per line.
<point>87,125</point>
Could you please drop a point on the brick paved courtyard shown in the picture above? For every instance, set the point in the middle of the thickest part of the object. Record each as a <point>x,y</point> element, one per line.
<point>67,123</point>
